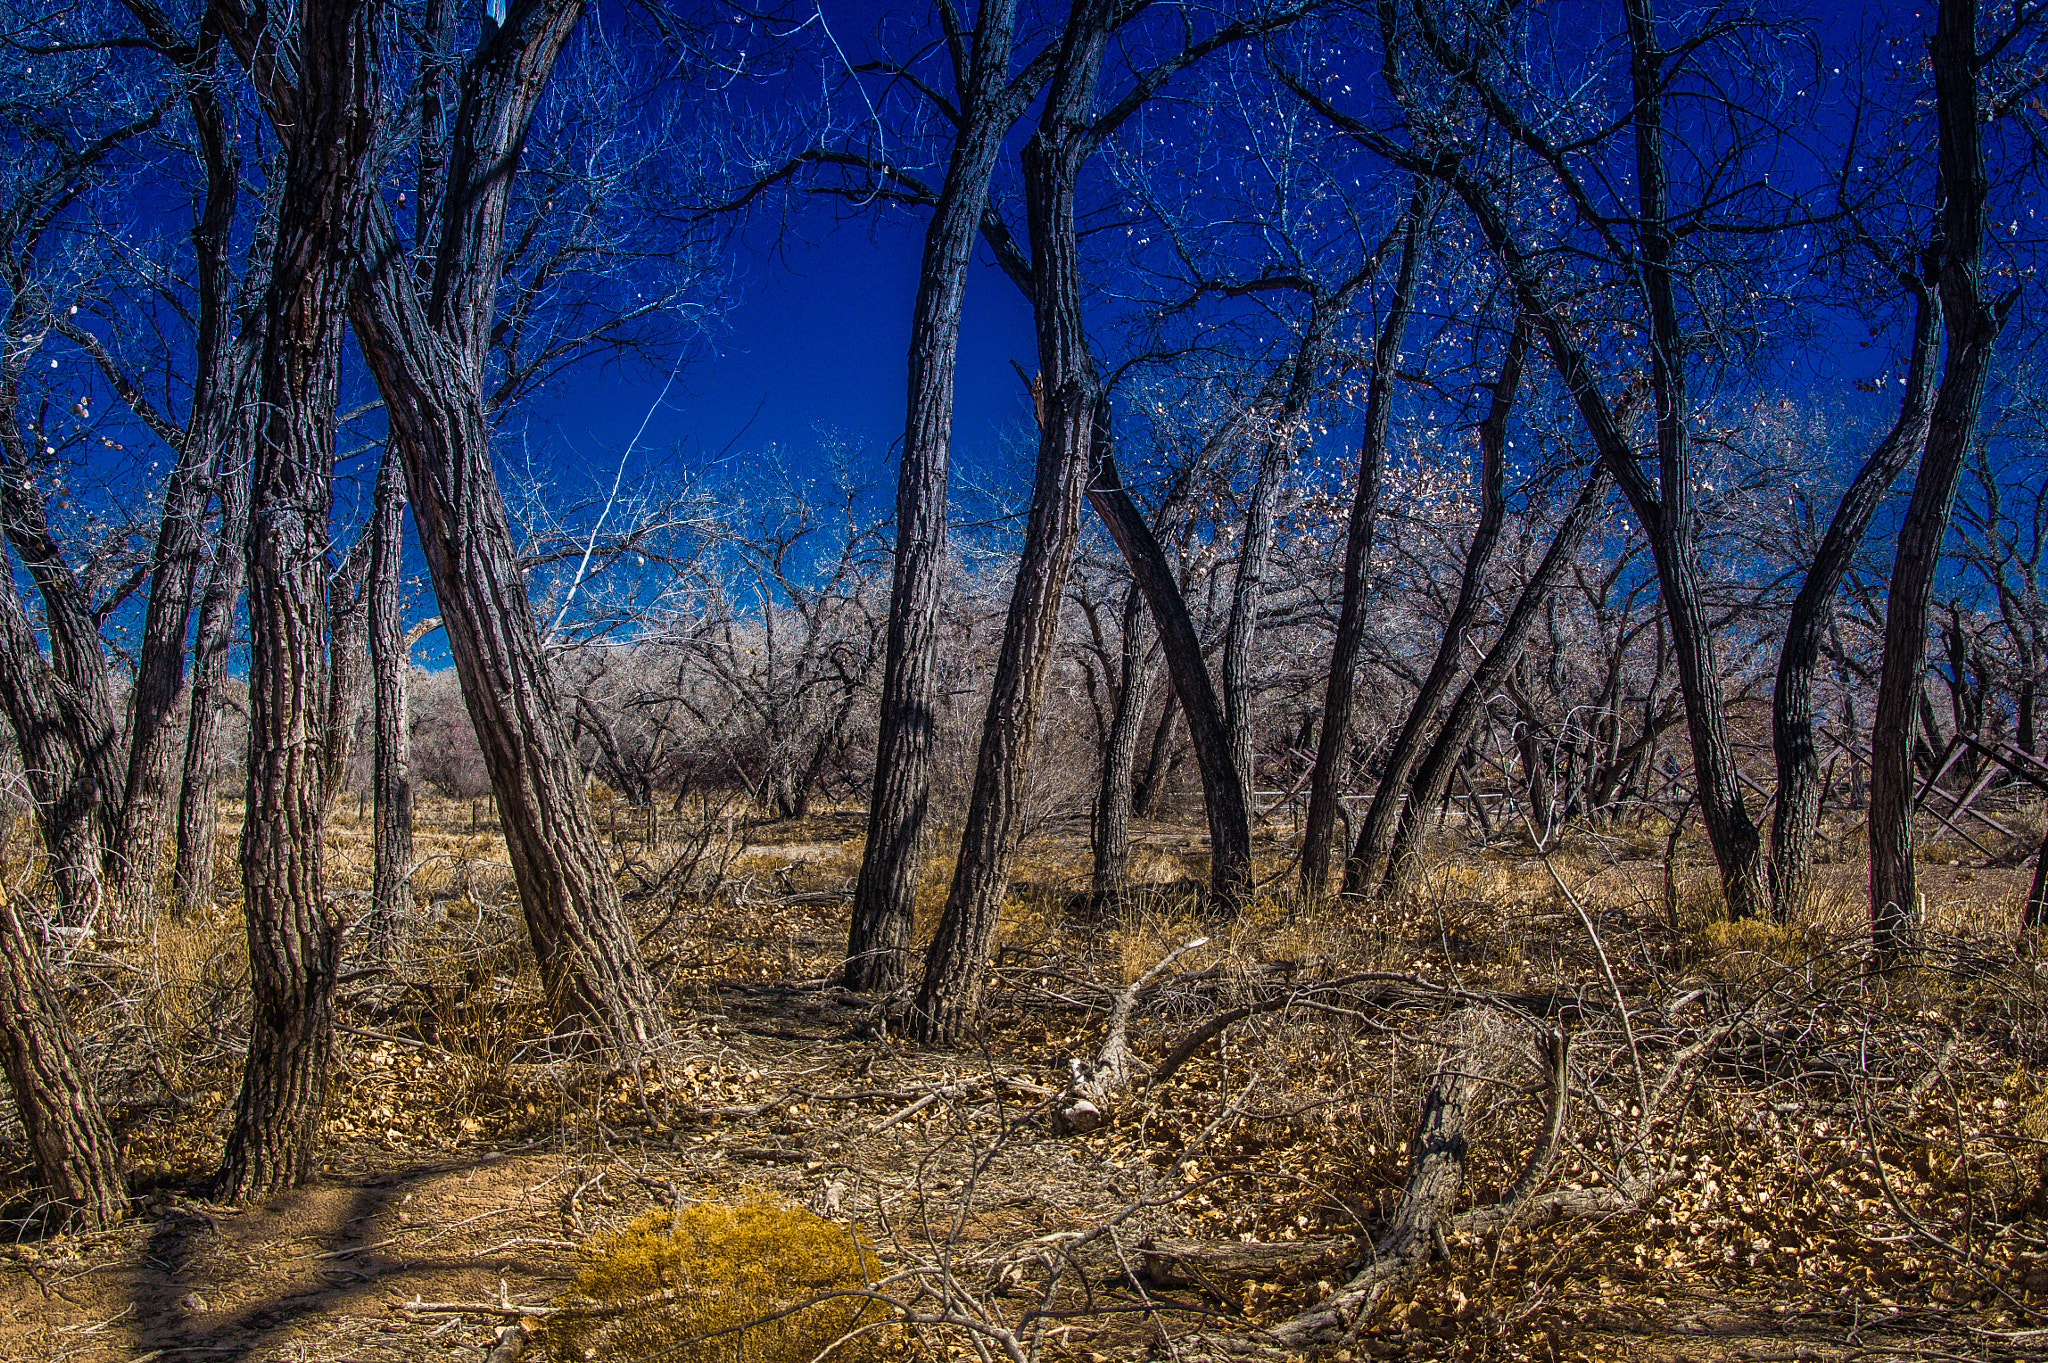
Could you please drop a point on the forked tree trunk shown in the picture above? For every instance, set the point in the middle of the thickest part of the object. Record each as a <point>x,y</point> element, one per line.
<point>1224,797</point>
<point>1324,784</point>
<point>948,1001</point>
<point>1377,835</point>
<point>892,860</point>
<point>74,1150</point>
<point>391,906</point>
<point>1797,813</point>
<point>161,693</point>
<point>1972,324</point>
<point>294,940</point>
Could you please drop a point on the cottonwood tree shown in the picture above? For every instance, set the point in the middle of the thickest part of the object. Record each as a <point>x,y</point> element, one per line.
<point>1075,447</point>
<point>318,86</point>
<point>424,308</point>
<point>1973,311</point>
<point>1474,119</point>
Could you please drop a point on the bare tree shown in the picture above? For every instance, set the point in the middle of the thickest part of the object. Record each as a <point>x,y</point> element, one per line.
<point>317,97</point>
<point>1971,318</point>
<point>423,318</point>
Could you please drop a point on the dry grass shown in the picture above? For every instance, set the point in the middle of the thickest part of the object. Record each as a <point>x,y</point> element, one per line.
<point>1293,1124</point>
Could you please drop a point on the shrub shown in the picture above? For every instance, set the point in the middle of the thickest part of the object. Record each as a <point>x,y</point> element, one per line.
<point>700,1286</point>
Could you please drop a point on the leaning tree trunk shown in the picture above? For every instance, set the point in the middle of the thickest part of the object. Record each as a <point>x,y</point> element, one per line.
<point>885,895</point>
<point>1338,692</point>
<point>1377,836</point>
<point>1433,776</point>
<point>391,907</point>
<point>1797,813</point>
<point>74,1150</point>
<point>596,982</point>
<point>1972,323</point>
<point>294,940</point>
<point>425,334</point>
<point>1224,797</point>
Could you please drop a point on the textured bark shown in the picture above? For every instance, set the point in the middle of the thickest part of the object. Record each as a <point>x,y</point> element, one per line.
<point>75,1153</point>
<point>1435,772</point>
<point>1110,830</point>
<point>425,333</point>
<point>1339,691</point>
<point>596,982</point>
<point>391,906</point>
<point>1377,834</point>
<point>57,705</point>
<point>348,658</point>
<point>892,859</point>
<point>1971,321</point>
<point>160,690</point>
<point>192,866</point>
<point>948,1001</point>
<point>1799,785</point>
<point>294,941</point>
<point>53,736</point>
<point>1223,791</point>
<point>1401,1253</point>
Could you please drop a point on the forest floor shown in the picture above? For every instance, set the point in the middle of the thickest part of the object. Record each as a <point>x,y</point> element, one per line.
<point>1818,1163</point>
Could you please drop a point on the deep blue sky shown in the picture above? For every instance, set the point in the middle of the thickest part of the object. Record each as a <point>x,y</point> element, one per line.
<point>814,346</point>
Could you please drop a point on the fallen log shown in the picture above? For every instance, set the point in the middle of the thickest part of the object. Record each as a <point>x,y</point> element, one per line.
<point>1212,1264</point>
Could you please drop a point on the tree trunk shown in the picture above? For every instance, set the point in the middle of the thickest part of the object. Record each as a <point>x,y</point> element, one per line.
<point>1462,722</point>
<point>391,907</point>
<point>53,735</point>
<point>425,341</point>
<point>212,425</point>
<point>596,982</point>
<point>192,875</point>
<point>1972,324</point>
<point>1223,790</point>
<point>348,656</point>
<point>1148,791</point>
<point>948,1001</point>
<point>1799,785</point>
<point>1378,832</point>
<point>294,941</point>
<point>74,1150</point>
<point>1338,692</point>
<point>885,895</point>
<point>1111,828</point>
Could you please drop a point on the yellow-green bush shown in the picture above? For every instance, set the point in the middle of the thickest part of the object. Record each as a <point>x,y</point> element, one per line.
<point>688,1286</point>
